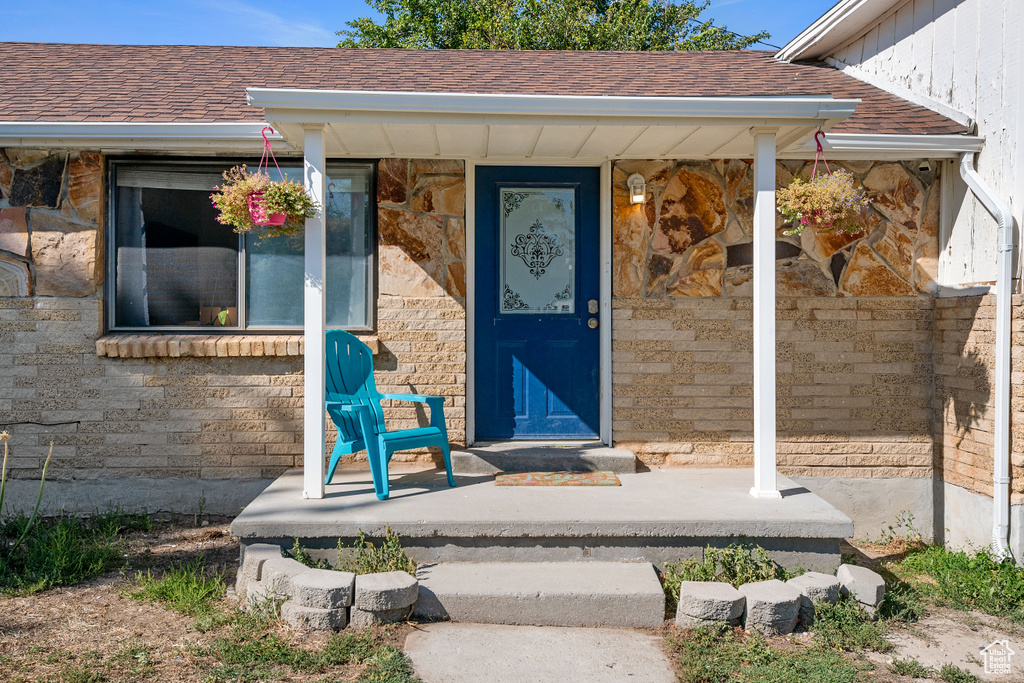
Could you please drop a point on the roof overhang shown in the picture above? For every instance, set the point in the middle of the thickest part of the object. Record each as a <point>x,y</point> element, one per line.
<point>134,136</point>
<point>888,147</point>
<point>845,21</point>
<point>568,128</point>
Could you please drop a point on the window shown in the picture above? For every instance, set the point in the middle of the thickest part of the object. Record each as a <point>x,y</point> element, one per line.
<point>174,267</point>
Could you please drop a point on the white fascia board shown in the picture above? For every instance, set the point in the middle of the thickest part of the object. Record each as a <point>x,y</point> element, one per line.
<point>135,135</point>
<point>329,106</point>
<point>887,147</point>
<point>846,20</point>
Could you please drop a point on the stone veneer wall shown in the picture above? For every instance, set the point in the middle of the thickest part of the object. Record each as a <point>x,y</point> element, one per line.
<point>200,417</point>
<point>854,333</point>
<point>964,388</point>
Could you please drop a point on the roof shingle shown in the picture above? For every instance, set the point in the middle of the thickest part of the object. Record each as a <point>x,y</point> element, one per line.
<point>178,83</point>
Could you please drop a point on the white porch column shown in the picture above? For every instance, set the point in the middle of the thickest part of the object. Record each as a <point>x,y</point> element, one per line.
<point>314,427</point>
<point>764,314</point>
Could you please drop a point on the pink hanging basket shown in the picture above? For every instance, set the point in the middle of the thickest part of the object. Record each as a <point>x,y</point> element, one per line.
<point>259,213</point>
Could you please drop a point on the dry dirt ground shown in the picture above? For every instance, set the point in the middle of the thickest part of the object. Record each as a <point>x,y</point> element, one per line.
<point>52,635</point>
<point>94,626</point>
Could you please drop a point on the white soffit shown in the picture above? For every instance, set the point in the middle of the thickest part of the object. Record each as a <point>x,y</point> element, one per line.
<point>845,21</point>
<point>130,136</point>
<point>887,147</point>
<point>542,127</point>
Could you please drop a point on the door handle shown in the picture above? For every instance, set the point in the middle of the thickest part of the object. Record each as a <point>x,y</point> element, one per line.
<point>592,306</point>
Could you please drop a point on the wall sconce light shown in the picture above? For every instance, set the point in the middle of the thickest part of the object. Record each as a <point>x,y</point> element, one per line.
<point>637,189</point>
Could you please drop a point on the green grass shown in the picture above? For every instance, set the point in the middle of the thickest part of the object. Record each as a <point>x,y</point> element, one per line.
<point>718,655</point>
<point>844,626</point>
<point>954,674</point>
<point>735,564</point>
<point>367,558</point>
<point>65,550</point>
<point>188,589</point>
<point>911,667</point>
<point>966,580</point>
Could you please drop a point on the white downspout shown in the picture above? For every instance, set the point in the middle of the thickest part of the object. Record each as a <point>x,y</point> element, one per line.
<point>1004,289</point>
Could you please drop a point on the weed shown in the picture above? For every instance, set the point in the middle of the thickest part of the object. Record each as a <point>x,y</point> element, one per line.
<point>388,665</point>
<point>844,626</point>
<point>719,655</point>
<point>954,674</point>
<point>735,564</point>
<point>187,589</point>
<point>301,555</point>
<point>902,601</point>
<point>902,535</point>
<point>966,580</point>
<point>137,657</point>
<point>911,667</point>
<point>78,674</point>
<point>366,558</point>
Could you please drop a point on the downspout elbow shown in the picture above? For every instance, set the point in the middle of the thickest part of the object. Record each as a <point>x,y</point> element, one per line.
<point>1004,288</point>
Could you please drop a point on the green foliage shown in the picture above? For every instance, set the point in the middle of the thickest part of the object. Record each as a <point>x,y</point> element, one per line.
<point>718,655</point>
<point>74,673</point>
<point>286,196</point>
<point>366,558</point>
<point>954,674</point>
<point>187,589</point>
<point>543,25</point>
<point>300,555</point>
<point>844,626</point>
<point>911,667</point>
<point>967,580</point>
<point>735,564</point>
<point>825,203</point>
<point>58,552</point>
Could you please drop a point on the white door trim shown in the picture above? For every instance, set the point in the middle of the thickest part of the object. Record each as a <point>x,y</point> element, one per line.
<point>605,274</point>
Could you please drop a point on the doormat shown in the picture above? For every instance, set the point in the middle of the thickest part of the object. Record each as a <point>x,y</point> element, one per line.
<point>557,479</point>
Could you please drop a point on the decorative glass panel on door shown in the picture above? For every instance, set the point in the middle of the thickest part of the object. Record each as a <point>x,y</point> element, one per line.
<point>538,250</point>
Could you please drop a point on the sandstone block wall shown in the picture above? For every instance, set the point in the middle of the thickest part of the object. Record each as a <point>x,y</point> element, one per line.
<point>230,415</point>
<point>964,401</point>
<point>854,383</point>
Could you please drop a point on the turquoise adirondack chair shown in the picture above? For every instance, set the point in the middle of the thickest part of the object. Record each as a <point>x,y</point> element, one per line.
<point>353,403</point>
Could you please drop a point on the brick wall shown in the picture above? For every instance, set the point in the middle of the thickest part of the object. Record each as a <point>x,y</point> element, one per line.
<point>964,402</point>
<point>854,384</point>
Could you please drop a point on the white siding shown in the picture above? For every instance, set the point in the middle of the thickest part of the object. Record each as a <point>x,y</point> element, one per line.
<point>964,54</point>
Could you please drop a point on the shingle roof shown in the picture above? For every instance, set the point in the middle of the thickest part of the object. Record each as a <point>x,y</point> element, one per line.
<point>179,83</point>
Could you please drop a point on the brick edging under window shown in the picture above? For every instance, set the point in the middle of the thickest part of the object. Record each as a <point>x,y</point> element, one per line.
<point>208,346</point>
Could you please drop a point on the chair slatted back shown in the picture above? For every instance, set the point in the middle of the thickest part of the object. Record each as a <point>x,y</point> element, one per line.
<point>349,370</point>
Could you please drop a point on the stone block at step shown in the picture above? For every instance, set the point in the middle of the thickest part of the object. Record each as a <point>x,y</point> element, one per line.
<point>612,594</point>
<point>314,618</point>
<point>772,607</point>
<point>362,618</point>
<point>323,588</point>
<point>866,587</point>
<point>490,458</point>
<point>385,591</point>
<point>253,557</point>
<point>814,587</point>
<point>277,574</point>
<point>259,593</point>
<point>701,602</point>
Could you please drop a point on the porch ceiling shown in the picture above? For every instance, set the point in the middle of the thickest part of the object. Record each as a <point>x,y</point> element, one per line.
<point>542,127</point>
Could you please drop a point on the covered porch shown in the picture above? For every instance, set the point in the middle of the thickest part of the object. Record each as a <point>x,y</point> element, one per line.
<point>550,130</point>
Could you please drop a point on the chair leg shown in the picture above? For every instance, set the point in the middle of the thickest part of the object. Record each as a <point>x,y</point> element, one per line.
<point>446,452</point>
<point>380,479</point>
<point>383,456</point>
<point>333,465</point>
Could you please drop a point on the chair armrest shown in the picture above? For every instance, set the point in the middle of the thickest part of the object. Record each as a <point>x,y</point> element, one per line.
<point>415,398</point>
<point>362,413</point>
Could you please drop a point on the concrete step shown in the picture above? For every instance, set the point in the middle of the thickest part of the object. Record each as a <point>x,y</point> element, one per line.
<point>536,456</point>
<point>611,594</point>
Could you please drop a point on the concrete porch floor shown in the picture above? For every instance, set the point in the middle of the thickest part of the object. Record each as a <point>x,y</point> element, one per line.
<point>655,516</point>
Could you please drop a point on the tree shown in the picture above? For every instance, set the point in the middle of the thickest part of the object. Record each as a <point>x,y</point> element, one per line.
<point>543,25</point>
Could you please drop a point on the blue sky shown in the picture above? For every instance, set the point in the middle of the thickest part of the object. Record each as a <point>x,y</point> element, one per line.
<point>290,22</point>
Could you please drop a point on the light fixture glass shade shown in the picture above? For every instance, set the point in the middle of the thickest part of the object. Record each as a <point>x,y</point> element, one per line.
<point>637,189</point>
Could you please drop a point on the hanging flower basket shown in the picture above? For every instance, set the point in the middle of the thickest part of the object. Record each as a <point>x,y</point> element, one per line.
<point>252,202</point>
<point>825,203</point>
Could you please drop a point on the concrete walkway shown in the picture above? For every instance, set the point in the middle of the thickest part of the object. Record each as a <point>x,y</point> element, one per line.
<point>470,653</point>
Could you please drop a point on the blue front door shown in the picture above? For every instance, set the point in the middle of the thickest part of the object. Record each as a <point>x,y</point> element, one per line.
<point>537,339</point>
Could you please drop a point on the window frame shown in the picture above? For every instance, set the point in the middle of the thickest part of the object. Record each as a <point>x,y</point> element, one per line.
<point>224,163</point>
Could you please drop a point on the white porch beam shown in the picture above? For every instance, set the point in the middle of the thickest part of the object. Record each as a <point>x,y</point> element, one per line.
<point>315,314</point>
<point>765,485</point>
